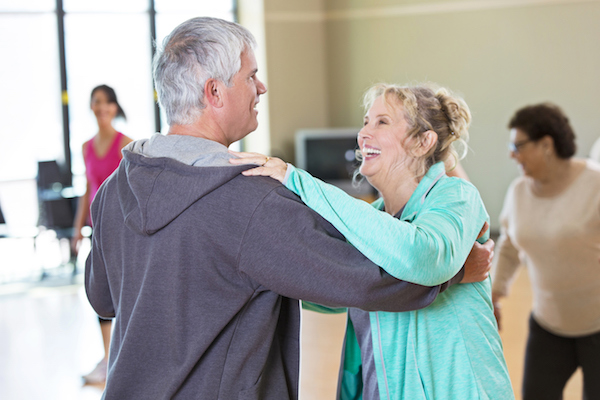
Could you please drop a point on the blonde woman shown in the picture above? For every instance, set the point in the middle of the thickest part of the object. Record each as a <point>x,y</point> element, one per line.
<point>451,349</point>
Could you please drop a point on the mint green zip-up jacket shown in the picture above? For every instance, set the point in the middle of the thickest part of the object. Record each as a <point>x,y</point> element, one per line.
<point>449,350</point>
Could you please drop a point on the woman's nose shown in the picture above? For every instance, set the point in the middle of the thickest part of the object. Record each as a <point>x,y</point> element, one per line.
<point>364,133</point>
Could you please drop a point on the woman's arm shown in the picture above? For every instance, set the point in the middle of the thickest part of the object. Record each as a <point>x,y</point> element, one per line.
<point>428,251</point>
<point>307,305</point>
<point>506,266</point>
<point>82,213</point>
<point>507,261</point>
<point>504,272</point>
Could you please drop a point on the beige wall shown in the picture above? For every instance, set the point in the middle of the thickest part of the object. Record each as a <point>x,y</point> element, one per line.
<point>298,89</point>
<point>500,55</point>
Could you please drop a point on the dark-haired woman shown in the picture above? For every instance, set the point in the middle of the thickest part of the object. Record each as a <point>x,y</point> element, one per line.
<point>551,217</point>
<point>102,155</point>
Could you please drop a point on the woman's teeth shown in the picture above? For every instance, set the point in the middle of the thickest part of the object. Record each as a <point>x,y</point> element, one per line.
<point>369,151</point>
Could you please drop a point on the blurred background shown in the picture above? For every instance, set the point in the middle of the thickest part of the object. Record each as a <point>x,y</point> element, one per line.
<point>317,58</point>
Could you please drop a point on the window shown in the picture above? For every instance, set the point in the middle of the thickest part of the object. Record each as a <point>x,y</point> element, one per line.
<point>107,42</point>
<point>111,49</point>
<point>30,86</point>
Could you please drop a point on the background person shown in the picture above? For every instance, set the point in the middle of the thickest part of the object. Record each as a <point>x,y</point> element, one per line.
<point>451,349</point>
<point>551,215</point>
<point>101,155</point>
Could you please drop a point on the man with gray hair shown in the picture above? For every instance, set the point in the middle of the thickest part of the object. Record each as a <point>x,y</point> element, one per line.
<point>201,266</point>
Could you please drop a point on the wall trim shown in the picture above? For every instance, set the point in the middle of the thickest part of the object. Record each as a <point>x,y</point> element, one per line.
<point>295,16</point>
<point>412,9</point>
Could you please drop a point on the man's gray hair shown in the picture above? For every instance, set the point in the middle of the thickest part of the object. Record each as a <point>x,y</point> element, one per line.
<point>197,50</point>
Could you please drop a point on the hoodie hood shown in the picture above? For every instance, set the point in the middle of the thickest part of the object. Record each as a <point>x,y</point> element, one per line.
<point>161,177</point>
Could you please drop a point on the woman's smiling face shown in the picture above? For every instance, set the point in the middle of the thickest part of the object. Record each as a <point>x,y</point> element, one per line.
<point>382,140</point>
<point>104,110</point>
<point>528,154</point>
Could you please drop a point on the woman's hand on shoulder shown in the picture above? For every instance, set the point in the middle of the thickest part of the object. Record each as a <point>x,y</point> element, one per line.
<point>272,167</point>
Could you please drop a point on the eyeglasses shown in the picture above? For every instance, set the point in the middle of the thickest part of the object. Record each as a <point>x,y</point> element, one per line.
<point>515,147</point>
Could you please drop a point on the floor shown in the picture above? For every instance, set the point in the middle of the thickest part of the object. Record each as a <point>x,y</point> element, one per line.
<point>50,338</point>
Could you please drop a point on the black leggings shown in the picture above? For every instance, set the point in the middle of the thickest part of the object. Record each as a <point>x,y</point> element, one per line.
<point>550,361</point>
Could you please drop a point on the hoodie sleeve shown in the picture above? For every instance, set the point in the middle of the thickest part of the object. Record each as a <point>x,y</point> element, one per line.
<point>429,250</point>
<point>96,280</point>
<point>309,259</point>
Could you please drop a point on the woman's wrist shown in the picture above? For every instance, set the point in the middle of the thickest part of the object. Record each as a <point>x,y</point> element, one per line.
<point>288,172</point>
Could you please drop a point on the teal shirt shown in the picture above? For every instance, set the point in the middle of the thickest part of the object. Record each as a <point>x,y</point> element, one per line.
<point>451,349</point>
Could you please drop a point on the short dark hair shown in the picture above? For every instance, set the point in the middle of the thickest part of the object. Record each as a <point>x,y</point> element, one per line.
<point>546,119</point>
<point>112,98</point>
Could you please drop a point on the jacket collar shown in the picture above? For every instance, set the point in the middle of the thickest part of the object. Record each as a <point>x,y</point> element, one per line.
<point>433,175</point>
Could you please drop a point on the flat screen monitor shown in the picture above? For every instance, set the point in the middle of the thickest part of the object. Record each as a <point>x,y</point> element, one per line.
<point>329,154</point>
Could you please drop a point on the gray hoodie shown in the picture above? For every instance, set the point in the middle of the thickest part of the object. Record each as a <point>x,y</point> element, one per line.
<point>200,267</point>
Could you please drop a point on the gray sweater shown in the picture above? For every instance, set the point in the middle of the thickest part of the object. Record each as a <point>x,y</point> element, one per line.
<point>200,267</point>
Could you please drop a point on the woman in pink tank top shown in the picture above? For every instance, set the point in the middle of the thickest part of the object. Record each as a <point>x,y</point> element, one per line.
<point>102,155</point>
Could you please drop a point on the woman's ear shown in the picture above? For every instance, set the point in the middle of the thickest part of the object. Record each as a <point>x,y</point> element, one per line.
<point>213,93</point>
<point>548,144</point>
<point>427,141</point>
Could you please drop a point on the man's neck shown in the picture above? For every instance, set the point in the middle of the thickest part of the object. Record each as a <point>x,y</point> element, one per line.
<point>205,129</point>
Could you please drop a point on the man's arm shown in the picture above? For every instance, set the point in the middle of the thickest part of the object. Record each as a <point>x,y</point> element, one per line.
<point>428,250</point>
<point>291,250</point>
<point>479,263</point>
<point>337,202</point>
<point>96,280</point>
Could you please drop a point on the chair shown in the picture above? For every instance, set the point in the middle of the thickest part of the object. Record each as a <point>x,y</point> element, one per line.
<point>56,211</point>
<point>2,224</point>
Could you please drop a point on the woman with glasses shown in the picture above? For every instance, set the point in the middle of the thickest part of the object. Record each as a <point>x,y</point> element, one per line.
<point>551,223</point>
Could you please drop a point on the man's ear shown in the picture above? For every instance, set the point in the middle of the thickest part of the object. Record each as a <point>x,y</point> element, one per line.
<point>213,93</point>
<point>428,141</point>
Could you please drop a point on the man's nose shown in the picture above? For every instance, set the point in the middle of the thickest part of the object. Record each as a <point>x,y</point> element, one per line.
<point>262,88</point>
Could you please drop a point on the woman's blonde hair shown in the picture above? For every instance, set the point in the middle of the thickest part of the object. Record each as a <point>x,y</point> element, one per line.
<point>428,107</point>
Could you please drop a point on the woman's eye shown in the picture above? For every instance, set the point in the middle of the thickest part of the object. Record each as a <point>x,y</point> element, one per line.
<point>382,122</point>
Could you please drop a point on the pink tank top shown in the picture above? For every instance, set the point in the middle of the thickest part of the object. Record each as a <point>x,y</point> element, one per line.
<point>98,169</point>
